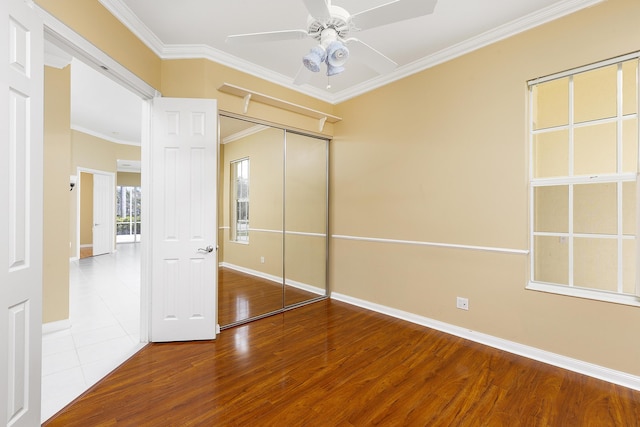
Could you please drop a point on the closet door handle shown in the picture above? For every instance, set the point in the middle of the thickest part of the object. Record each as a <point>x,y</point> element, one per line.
<point>206,250</point>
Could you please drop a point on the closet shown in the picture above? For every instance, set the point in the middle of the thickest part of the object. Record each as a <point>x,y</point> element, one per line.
<point>273,219</point>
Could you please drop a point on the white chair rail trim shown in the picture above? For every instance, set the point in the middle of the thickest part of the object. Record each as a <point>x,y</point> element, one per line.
<point>433,244</point>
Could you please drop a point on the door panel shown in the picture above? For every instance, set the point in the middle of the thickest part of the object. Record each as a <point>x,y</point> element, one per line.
<point>183,219</point>
<point>103,219</point>
<point>305,235</point>
<point>21,104</point>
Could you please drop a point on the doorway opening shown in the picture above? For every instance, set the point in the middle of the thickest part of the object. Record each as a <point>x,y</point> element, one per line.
<point>104,318</point>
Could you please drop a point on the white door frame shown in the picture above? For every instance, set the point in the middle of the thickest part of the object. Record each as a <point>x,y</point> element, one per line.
<point>78,188</point>
<point>71,42</point>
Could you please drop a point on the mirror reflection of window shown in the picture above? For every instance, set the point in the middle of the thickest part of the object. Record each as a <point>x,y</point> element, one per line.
<point>240,202</point>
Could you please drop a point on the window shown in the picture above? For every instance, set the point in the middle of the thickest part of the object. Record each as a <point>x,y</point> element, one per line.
<point>127,214</point>
<point>584,164</point>
<point>240,200</point>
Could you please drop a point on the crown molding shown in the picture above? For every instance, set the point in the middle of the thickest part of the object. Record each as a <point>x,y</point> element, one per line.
<point>124,14</point>
<point>109,138</point>
<point>244,133</point>
<point>502,32</point>
<point>207,52</point>
<point>55,57</point>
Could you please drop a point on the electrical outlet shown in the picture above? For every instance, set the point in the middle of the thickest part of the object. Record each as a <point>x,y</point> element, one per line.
<point>462,303</point>
<point>261,260</point>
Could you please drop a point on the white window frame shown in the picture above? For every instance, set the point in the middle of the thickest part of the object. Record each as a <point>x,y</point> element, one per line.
<point>619,178</point>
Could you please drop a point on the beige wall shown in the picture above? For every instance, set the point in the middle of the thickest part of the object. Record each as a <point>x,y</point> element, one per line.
<point>57,159</point>
<point>128,179</point>
<point>91,152</point>
<point>442,156</point>
<point>265,151</point>
<point>439,156</point>
<point>200,78</point>
<point>93,22</point>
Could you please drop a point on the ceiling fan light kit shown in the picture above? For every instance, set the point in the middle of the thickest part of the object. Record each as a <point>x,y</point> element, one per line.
<point>330,50</point>
<point>314,58</point>
<point>330,26</point>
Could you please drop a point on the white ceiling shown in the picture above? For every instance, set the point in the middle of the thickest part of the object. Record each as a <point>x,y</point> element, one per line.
<point>103,108</point>
<point>198,28</point>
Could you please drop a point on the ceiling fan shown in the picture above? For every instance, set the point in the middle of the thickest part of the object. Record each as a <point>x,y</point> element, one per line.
<point>332,25</point>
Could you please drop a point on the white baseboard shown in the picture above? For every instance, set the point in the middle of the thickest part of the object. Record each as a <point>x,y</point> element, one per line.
<point>256,273</point>
<point>275,279</point>
<point>87,245</point>
<point>575,365</point>
<point>59,325</point>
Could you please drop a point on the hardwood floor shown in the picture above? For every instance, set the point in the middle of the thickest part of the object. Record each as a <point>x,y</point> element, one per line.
<point>331,364</point>
<point>242,296</point>
<point>86,252</point>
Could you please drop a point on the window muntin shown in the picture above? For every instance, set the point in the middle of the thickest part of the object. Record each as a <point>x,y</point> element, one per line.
<point>240,200</point>
<point>584,157</point>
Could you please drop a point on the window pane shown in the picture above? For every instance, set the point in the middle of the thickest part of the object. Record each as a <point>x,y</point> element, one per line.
<point>551,104</point>
<point>595,263</point>
<point>551,260</point>
<point>629,87</point>
<point>629,208</point>
<point>629,266</point>
<point>595,149</point>
<point>630,145</point>
<point>551,154</point>
<point>595,94</point>
<point>595,208</point>
<point>551,209</point>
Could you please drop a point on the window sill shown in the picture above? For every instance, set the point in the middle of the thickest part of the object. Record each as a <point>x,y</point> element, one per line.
<point>238,242</point>
<point>591,294</point>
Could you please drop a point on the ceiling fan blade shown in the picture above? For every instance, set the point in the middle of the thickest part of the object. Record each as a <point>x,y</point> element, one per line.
<point>370,57</point>
<point>302,76</point>
<point>319,9</point>
<point>394,11</point>
<point>270,36</point>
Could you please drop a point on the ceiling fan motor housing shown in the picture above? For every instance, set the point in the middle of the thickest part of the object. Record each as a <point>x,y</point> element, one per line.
<point>340,21</point>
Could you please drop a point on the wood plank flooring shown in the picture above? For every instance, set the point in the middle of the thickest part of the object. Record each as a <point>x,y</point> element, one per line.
<point>86,252</point>
<point>242,296</point>
<point>332,364</point>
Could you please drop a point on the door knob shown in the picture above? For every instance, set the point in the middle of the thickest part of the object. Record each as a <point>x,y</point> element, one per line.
<point>207,250</point>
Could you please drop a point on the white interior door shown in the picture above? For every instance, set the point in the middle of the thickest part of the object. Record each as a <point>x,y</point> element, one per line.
<point>103,213</point>
<point>183,219</point>
<point>21,150</point>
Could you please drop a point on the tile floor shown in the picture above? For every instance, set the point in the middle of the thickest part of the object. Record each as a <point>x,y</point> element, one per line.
<point>104,313</point>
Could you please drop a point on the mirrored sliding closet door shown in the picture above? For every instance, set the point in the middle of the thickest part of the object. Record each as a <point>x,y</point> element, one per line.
<point>273,220</point>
